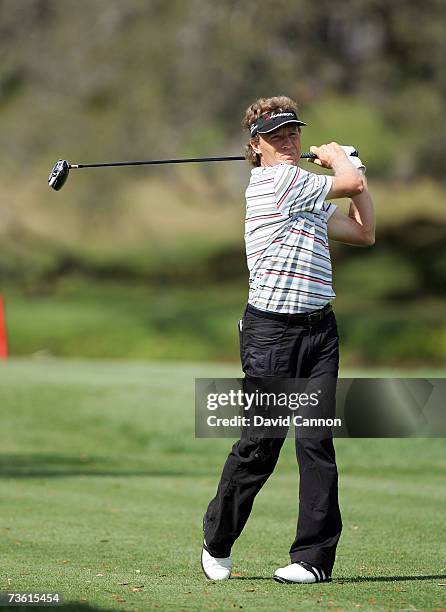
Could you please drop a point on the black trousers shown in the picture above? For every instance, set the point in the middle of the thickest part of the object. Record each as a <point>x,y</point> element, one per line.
<point>282,347</point>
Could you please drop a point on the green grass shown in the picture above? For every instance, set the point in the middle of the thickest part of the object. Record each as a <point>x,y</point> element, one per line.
<point>104,487</point>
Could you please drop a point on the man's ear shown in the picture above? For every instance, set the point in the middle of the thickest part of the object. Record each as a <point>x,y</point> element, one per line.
<point>255,145</point>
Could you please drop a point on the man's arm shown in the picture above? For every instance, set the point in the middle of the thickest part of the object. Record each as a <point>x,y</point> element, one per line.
<point>358,227</point>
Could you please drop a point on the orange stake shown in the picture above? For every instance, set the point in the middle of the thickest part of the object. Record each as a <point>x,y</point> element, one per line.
<point>3,334</point>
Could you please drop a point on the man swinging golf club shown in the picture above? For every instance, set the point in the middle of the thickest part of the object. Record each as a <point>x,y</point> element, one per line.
<point>289,329</point>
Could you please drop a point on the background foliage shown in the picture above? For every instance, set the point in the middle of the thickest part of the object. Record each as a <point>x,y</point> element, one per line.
<point>149,262</point>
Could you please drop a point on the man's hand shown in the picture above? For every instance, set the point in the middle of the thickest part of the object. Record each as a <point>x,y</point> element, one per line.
<point>326,152</point>
<point>329,155</point>
<point>347,180</point>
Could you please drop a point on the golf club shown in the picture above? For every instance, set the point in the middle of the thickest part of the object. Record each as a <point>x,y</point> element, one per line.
<point>61,169</point>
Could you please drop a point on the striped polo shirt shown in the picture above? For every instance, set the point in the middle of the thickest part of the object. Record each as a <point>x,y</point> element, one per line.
<point>286,239</point>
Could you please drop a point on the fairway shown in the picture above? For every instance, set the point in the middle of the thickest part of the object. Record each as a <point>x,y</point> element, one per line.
<point>104,486</point>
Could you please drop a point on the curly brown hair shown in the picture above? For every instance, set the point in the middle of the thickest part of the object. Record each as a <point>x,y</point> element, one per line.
<point>253,112</point>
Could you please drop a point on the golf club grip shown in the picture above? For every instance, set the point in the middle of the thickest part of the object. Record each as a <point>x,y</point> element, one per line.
<point>313,155</point>
<point>153,162</point>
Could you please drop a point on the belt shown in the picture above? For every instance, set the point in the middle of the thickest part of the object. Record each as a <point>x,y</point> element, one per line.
<point>304,318</point>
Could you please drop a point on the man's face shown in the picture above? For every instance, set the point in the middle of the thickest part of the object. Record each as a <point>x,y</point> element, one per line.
<point>279,147</point>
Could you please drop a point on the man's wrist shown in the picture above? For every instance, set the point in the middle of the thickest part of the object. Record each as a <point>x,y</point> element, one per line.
<point>343,166</point>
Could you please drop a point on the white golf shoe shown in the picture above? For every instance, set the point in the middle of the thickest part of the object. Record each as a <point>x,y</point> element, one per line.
<point>215,568</point>
<point>300,573</point>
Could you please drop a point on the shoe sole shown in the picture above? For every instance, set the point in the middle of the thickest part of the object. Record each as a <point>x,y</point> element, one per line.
<point>284,581</point>
<point>204,571</point>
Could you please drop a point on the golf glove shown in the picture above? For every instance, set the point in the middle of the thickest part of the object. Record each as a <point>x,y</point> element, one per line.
<point>354,160</point>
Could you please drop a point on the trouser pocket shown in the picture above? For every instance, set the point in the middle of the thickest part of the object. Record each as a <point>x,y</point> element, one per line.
<point>261,344</point>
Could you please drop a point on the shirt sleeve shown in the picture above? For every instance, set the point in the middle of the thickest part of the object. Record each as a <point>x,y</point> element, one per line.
<point>328,208</point>
<point>297,191</point>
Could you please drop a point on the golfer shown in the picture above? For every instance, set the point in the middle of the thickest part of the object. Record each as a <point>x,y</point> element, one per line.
<point>289,329</point>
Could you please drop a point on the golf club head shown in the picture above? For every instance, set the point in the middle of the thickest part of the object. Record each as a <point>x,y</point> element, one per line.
<point>59,174</point>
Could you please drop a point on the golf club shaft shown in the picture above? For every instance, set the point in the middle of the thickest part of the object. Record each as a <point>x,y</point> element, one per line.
<point>174,161</point>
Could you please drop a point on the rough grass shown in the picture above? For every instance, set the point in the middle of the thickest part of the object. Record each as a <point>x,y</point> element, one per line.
<point>104,487</point>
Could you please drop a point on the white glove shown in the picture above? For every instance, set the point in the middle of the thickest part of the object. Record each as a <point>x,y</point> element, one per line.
<point>354,160</point>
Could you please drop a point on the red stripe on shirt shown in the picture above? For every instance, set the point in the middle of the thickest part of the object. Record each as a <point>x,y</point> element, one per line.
<point>254,254</point>
<point>293,231</point>
<point>263,217</point>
